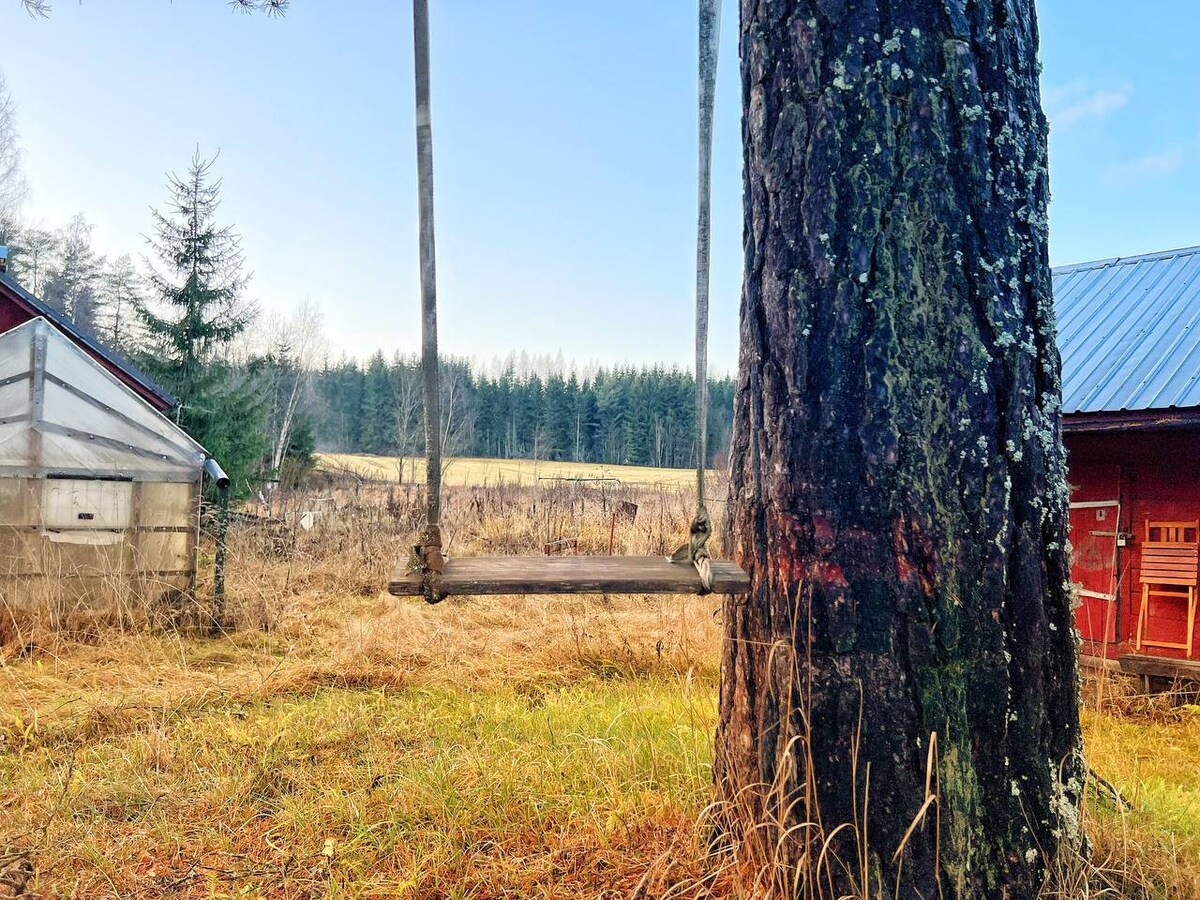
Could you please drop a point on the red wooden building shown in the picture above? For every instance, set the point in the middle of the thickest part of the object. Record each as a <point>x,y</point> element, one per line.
<point>1129,334</point>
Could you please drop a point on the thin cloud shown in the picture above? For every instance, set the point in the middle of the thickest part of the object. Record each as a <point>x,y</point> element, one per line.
<point>1144,168</point>
<point>1070,104</point>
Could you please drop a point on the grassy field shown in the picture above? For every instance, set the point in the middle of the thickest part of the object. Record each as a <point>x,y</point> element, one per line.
<point>341,743</point>
<point>474,472</point>
<point>368,748</point>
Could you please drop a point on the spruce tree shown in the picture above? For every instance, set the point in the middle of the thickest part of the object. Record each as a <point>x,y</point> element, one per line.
<point>339,423</point>
<point>195,313</point>
<point>199,286</point>
<point>559,419</point>
<point>378,408</point>
<point>587,427</point>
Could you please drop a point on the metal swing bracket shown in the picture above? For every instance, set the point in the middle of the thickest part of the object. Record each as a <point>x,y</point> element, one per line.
<point>426,559</point>
<point>695,551</point>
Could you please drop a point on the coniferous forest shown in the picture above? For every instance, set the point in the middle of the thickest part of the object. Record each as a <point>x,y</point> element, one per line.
<point>615,416</point>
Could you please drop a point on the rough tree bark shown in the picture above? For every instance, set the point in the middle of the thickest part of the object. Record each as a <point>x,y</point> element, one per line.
<point>898,480</point>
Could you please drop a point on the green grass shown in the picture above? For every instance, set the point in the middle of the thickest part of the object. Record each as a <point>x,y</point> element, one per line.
<point>422,792</point>
<point>223,777</point>
<point>1155,764</point>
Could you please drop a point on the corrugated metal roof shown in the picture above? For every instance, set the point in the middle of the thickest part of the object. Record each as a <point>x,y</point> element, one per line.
<point>1129,332</point>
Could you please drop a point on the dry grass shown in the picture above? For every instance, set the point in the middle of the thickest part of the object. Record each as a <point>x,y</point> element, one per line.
<point>342,743</point>
<point>339,742</point>
<point>476,472</point>
<point>1144,752</point>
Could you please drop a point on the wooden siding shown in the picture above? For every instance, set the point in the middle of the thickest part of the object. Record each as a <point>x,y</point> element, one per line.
<point>1158,479</point>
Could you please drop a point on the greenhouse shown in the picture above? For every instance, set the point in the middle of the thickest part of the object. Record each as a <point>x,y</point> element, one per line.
<point>99,491</point>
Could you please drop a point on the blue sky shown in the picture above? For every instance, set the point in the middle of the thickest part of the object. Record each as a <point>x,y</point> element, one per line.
<point>565,156</point>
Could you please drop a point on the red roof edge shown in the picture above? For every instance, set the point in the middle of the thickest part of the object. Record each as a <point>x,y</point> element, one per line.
<point>1131,420</point>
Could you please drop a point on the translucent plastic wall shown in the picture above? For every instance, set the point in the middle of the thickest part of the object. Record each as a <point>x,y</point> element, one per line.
<point>99,492</point>
<point>64,415</point>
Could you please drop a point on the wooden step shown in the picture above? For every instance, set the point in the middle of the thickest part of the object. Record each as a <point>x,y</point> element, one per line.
<point>479,575</point>
<point>1160,666</point>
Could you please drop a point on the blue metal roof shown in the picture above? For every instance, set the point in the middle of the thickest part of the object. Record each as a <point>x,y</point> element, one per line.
<point>1129,332</point>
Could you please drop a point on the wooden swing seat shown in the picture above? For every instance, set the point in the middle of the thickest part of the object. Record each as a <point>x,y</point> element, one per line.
<point>479,575</point>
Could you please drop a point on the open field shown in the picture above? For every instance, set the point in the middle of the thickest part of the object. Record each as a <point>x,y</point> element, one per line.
<point>341,743</point>
<point>473,472</point>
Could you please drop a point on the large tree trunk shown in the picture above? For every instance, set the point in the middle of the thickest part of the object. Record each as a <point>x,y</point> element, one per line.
<point>899,492</point>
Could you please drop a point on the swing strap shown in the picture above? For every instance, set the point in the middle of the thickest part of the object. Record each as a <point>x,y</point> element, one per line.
<point>427,552</point>
<point>710,39</point>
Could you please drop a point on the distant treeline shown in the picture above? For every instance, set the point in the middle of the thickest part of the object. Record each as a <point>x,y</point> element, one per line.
<point>621,416</point>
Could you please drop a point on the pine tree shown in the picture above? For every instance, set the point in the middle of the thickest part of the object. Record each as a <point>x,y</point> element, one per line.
<point>898,485</point>
<point>73,278</point>
<point>116,318</point>
<point>195,314</point>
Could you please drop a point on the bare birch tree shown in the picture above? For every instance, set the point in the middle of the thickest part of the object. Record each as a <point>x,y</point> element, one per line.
<point>13,186</point>
<point>298,343</point>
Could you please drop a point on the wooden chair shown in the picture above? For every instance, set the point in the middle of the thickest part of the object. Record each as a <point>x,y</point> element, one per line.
<point>1169,572</point>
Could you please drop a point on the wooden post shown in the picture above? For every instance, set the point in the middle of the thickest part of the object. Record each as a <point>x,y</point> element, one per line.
<point>219,565</point>
<point>37,397</point>
<point>218,477</point>
<point>131,555</point>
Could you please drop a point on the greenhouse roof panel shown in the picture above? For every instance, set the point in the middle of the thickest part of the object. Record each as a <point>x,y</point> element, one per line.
<point>61,412</point>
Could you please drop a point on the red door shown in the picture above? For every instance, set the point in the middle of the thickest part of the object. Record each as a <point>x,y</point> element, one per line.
<point>1095,514</point>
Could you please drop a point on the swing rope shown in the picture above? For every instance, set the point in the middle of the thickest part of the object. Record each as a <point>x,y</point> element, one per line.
<point>426,557</point>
